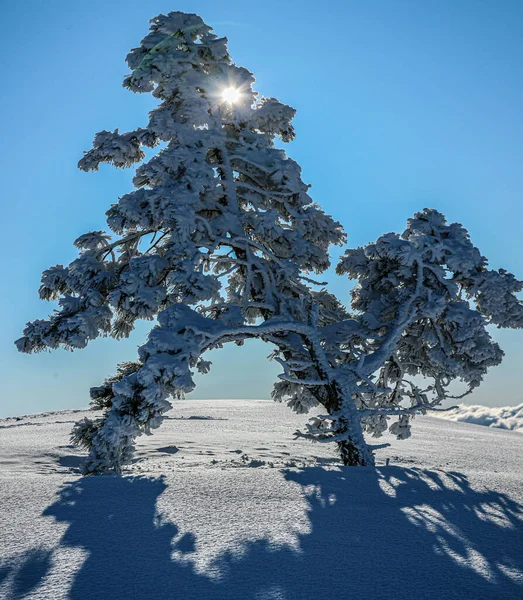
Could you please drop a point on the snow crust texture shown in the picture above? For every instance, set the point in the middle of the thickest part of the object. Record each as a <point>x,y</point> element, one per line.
<point>504,417</point>
<point>215,507</point>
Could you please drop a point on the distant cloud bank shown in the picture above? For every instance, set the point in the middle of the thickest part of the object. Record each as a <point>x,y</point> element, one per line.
<point>504,417</point>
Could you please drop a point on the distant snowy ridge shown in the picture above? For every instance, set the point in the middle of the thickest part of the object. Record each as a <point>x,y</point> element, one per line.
<point>504,417</point>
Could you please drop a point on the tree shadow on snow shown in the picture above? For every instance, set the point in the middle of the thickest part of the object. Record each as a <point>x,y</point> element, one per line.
<point>26,571</point>
<point>374,534</point>
<point>129,546</point>
<point>392,533</point>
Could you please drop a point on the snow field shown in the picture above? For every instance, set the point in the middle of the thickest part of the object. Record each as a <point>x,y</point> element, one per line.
<point>222,502</point>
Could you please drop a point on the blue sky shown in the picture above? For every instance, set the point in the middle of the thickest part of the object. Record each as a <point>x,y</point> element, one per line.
<point>402,104</point>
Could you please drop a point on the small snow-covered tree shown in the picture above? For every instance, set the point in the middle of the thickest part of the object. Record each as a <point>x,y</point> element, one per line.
<point>217,243</point>
<point>421,308</point>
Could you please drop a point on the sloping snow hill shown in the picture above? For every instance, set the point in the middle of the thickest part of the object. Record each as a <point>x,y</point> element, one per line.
<point>222,503</point>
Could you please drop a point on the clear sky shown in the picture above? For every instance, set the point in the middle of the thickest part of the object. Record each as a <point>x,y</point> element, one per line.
<point>402,104</point>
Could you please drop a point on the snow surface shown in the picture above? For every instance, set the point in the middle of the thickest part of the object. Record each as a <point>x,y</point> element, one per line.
<point>505,417</point>
<point>222,503</point>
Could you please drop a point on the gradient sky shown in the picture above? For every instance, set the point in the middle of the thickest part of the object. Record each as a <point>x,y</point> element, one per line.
<point>402,104</point>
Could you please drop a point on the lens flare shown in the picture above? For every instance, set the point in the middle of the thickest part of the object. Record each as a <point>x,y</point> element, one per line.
<point>231,95</point>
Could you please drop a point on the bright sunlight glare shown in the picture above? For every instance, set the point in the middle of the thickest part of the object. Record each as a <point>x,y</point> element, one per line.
<point>231,95</point>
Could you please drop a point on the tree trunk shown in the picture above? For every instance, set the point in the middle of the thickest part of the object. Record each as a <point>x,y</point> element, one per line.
<point>351,456</point>
<point>353,449</point>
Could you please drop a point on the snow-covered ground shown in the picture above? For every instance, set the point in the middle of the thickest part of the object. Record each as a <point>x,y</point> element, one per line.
<point>504,417</point>
<point>223,503</point>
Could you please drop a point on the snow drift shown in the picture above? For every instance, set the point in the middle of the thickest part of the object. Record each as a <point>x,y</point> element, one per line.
<point>504,417</point>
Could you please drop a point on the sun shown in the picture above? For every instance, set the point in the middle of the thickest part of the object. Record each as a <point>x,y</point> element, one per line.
<point>231,95</point>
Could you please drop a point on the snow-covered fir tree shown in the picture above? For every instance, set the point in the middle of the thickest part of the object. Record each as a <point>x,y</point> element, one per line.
<point>218,243</point>
<point>221,221</point>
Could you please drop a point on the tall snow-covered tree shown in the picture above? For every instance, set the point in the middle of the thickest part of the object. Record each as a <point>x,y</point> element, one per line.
<point>218,242</point>
<point>221,221</point>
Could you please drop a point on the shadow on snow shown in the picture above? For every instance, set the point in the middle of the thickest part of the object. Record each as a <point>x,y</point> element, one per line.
<point>375,534</point>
